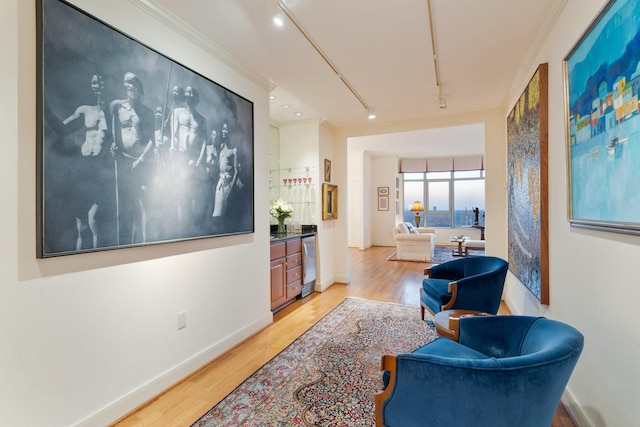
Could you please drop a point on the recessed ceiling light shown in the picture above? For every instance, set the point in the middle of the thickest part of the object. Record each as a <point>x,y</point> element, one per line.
<point>272,97</point>
<point>285,106</point>
<point>298,113</point>
<point>277,20</point>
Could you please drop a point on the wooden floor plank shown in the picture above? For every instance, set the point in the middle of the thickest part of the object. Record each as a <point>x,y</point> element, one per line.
<point>372,277</point>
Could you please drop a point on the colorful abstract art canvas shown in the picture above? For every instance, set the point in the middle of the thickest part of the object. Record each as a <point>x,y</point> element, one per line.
<point>602,81</point>
<point>527,143</point>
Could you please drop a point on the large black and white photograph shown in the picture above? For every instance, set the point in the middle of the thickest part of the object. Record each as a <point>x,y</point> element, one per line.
<point>133,148</point>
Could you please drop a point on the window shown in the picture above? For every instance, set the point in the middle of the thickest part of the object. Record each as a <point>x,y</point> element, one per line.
<point>413,190</point>
<point>438,206</point>
<point>449,198</point>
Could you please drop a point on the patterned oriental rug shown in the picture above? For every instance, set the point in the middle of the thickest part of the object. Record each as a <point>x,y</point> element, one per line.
<point>328,376</point>
<point>442,254</point>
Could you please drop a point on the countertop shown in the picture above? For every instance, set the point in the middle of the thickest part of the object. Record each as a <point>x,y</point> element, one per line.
<point>284,236</point>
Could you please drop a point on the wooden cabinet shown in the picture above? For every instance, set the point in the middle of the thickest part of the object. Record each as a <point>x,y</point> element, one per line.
<point>278,274</point>
<point>286,271</point>
<point>294,268</point>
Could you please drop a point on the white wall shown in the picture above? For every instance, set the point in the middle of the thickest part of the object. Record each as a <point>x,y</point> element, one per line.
<point>592,274</point>
<point>495,160</point>
<point>299,145</point>
<point>340,227</point>
<point>383,222</point>
<point>298,157</point>
<point>355,190</point>
<point>367,200</point>
<point>89,337</point>
<point>330,232</point>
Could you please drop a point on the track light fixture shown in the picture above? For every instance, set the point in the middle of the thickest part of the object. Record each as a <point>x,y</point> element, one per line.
<point>282,7</point>
<point>442,101</point>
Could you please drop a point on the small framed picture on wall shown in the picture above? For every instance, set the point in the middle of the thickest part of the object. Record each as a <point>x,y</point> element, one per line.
<point>327,170</point>
<point>383,191</point>
<point>383,203</point>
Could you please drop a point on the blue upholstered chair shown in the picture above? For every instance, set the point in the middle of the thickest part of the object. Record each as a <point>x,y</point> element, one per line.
<point>469,283</point>
<point>505,371</point>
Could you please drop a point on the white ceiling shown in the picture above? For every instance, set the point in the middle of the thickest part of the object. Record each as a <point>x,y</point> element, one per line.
<point>438,142</point>
<point>382,48</point>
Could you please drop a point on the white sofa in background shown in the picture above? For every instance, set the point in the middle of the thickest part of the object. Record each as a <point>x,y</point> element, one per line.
<point>414,244</point>
<point>472,244</point>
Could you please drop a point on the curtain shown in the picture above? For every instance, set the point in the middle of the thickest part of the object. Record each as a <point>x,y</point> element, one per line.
<point>441,164</point>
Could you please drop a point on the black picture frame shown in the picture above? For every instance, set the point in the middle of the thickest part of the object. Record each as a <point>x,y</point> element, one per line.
<point>133,148</point>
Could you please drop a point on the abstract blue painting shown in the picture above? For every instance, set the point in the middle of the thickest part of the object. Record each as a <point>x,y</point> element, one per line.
<point>602,75</point>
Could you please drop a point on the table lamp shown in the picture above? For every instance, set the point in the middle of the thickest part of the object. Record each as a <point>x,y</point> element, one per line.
<point>417,208</point>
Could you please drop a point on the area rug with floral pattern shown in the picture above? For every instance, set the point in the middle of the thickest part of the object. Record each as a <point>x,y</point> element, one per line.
<point>441,254</point>
<point>328,376</point>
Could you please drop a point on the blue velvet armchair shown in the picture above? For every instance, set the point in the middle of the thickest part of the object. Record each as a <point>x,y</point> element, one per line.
<point>469,283</point>
<point>505,371</point>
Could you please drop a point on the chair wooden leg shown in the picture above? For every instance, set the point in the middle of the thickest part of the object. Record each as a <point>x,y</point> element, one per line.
<point>387,363</point>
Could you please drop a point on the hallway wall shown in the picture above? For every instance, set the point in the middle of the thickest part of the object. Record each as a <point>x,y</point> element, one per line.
<point>86,338</point>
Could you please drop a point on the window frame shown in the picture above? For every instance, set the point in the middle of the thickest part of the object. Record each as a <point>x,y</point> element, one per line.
<point>437,177</point>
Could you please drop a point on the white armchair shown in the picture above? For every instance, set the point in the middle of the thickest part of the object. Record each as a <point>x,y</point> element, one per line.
<point>414,244</point>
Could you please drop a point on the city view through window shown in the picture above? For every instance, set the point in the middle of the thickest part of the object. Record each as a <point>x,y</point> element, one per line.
<point>449,198</point>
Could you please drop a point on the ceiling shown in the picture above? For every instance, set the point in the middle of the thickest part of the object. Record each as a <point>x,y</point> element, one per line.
<point>382,49</point>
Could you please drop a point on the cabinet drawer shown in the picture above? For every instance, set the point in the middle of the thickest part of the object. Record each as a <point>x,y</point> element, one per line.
<point>294,260</point>
<point>293,246</point>
<point>294,289</point>
<point>278,250</point>
<point>294,274</point>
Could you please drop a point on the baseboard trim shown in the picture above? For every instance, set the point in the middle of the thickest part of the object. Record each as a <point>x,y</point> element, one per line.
<point>574,410</point>
<point>321,287</point>
<point>341,279</point>
<point>146,392</point>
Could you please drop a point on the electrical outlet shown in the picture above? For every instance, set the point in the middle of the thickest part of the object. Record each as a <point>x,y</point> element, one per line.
<point>182,319</point>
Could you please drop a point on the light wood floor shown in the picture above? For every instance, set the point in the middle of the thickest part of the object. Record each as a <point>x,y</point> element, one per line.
<point>372,277</point>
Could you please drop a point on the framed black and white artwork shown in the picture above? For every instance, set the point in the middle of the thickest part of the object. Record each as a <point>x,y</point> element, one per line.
<point>133,147</point>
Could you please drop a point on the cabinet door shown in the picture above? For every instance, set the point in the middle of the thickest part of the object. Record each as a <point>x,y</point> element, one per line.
<point>278,283</point>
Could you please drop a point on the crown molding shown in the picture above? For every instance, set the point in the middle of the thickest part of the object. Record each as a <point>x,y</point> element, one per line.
<point>528,63</point>
<point>181,27</point>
